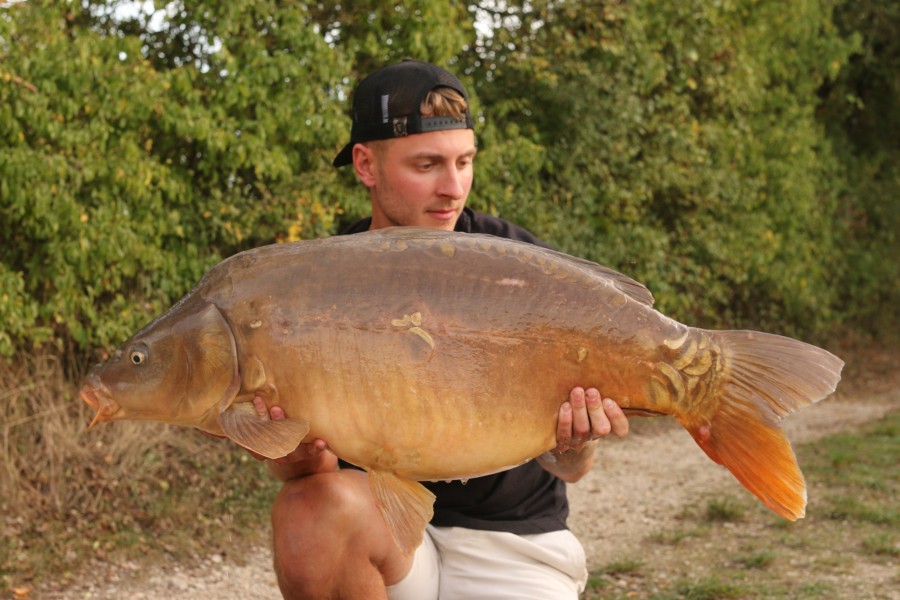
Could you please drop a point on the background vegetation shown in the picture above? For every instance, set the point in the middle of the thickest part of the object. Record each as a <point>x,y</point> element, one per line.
<point>738,157</point>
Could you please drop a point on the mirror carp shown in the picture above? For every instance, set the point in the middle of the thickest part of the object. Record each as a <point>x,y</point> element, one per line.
<point>423,355</point>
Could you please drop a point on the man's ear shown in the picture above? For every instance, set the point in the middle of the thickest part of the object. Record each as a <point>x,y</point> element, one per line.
<point>364,164</point>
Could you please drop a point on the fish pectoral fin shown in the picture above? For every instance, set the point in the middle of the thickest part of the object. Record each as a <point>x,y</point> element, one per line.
<point>407,507</point>
<point>272,439</point>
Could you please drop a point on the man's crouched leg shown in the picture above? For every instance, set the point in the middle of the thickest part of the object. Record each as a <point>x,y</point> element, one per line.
<point>330,540</point>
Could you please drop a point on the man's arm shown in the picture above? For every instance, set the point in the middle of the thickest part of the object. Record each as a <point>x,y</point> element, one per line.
<point>307,459</point>
<point>583,419</point>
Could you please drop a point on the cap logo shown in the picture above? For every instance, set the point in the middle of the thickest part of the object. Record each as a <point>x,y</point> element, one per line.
<point>400,127</point>
<point>384,108</point>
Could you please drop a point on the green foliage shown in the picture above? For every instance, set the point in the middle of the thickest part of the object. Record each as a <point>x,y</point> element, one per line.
<point>736,157</point>
<point>124,176</point>
<point>861,113</point>
<point>680,145</point>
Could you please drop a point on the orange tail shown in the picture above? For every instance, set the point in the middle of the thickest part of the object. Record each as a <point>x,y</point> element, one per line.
<point>764,377</point>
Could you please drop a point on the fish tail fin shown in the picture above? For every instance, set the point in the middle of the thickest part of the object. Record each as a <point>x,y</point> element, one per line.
<point>763,378</point>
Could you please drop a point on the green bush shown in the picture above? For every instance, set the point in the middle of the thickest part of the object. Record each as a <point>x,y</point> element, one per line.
<point>126,172</point>
<point>860,111</point>
<point>737,157</point>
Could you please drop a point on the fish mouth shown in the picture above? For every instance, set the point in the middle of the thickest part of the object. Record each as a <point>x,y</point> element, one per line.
<point>98,399</point>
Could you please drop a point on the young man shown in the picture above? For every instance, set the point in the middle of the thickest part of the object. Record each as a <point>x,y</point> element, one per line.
<point>501,536</point>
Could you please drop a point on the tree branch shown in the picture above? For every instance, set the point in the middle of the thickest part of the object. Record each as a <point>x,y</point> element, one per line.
<point>18,81</point>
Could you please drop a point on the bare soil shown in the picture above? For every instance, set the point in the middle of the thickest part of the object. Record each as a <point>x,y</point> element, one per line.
<point>640,486</point>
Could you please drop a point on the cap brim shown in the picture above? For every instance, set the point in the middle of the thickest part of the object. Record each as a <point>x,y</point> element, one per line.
<point>345,156</point>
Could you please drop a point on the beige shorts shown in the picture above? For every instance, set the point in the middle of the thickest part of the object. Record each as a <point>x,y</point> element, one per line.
<point>466,564</point>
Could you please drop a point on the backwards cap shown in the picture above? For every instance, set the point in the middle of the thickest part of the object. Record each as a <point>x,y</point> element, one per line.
<point>386,105</point>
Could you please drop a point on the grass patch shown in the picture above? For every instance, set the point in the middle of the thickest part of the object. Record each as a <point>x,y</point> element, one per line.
<point>623,567</point>
<point>708,588</point>
<point>882,544</point>
<point>724,510</point>
<point>611,576</point>
<point>677,535</point>
<point>846,547</point>
<point>757,559</point>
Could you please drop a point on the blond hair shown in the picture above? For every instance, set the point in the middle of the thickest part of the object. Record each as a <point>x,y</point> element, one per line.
<point>444,102</point>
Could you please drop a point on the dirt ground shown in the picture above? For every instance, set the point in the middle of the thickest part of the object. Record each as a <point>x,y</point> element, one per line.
<point>639,486</point>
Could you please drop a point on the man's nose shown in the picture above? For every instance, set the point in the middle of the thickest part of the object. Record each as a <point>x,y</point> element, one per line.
<point>451,183</point>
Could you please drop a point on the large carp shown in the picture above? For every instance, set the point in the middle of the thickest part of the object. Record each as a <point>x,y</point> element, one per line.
<point>422,355</point>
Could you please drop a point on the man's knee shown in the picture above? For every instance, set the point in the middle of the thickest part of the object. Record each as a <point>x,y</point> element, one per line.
<point>314,519</point>
<point>326,506</point>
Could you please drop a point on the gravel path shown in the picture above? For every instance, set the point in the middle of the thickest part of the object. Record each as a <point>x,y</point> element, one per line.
<point>639,485</point>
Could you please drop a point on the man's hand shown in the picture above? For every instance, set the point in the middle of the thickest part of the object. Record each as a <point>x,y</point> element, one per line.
<point>586,417</point>
<point>306,459</point>
<point>582,420</point>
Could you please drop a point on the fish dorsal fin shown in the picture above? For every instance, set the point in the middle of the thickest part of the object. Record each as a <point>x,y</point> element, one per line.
<point>625,284</point>
<point>272,439</point>
<point>407,507</point>
<point>628,286</point>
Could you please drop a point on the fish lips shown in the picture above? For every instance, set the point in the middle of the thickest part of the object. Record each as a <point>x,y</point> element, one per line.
<point>99,399</point>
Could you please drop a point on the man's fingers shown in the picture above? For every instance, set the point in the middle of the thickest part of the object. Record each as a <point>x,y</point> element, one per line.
<point>564,427</point>
<point>587,416</point>
<point>260,405</point>
<point>617,419</point>
<point>276,413</point>
<point>600,425</point>
<point>581,421</point>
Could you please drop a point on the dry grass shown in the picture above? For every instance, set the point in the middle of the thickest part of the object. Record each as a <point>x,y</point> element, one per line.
<point>49,460</point>
<point>69,496</point>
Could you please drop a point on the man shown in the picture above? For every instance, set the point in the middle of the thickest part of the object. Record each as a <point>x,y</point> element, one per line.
<point>501,536</point>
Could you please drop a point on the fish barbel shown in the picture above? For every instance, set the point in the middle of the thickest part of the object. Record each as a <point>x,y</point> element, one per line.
<point>421,355</point>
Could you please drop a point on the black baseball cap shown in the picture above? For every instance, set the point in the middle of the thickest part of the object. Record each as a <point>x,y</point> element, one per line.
<point>386,104</point>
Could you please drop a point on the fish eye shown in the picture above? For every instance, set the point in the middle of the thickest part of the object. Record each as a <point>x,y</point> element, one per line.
<point>137,357</point>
